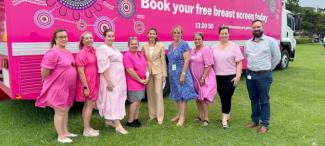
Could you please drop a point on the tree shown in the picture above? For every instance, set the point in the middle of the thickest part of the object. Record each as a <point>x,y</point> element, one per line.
<point>293,6</point>
<point>311,22</point>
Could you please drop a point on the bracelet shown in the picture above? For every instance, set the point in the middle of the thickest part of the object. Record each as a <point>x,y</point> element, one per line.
<point>183,73</point>
<point>85,87</point>
<point>147,74</point>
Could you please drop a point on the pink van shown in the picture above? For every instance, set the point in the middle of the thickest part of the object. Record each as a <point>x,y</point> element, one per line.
<point>26,27</point>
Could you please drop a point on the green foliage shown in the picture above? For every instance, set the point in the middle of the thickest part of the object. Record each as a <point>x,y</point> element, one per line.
<point>293,6</point>
<point>304,40</point>
<point>311,22</point>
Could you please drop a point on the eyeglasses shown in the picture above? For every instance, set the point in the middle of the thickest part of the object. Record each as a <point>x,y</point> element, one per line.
<point>62,37</point>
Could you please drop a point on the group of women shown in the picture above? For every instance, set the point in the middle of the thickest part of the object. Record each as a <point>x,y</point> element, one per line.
<point>104,78</point>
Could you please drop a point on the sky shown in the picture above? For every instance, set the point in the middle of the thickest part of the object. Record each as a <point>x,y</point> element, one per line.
<point>312,3</point>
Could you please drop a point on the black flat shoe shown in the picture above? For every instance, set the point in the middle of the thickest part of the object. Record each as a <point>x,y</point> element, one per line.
<point>132,124</point>
<point>136,121</point>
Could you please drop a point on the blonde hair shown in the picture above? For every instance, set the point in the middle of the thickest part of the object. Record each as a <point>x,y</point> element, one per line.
<point>178,28</point>
<point>82,37</point>
<point>131,39</point>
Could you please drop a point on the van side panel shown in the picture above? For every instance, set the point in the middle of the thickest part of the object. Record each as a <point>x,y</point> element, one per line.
<point>36,20</point>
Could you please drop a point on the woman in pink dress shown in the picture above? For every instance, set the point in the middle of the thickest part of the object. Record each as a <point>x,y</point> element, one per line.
<point>201,63</point>
<point>88,83</point>
<point>228,67</point>
<point>112,88</point>
<point>59,77</point>
<point>136,78</point>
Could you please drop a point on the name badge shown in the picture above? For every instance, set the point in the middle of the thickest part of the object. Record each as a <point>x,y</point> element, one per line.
<point>174,67</point>
<point>249,77</point>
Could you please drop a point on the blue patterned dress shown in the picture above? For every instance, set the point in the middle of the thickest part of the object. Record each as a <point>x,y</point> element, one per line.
<point>175,58</point>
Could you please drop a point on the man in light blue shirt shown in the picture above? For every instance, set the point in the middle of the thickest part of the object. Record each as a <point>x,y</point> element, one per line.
<point>263,55</point>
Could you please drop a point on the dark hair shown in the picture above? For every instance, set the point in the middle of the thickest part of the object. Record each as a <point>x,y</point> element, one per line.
<point>257,20</point>
<point>131,39</point>
<point>82,37</point>
<point>223,27</point>
<point>53,42</point>
<point>154,29</point>
<point>199,34</point>
<point>106,31</point>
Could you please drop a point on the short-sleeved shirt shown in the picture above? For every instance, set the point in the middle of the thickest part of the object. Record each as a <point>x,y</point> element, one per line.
<point>139,64</point>
<point>225,59</point>
<point>59,88</point>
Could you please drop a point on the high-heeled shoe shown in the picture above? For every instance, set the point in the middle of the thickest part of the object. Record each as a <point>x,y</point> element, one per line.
<point>224,126</point>
<point>121,130</point>
<point>174,119</point>
<point>109,123</point>
<point>205,123</point>
<point>180,122</point>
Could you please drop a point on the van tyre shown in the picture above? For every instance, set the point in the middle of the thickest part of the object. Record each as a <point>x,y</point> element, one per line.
<point>284,63</point>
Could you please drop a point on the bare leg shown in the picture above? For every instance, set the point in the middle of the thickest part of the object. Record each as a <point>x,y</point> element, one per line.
<point>199,108</point>
<point>182,108</point>
<point>225,118</point>
<point>58,122</point>
<point>136,116</point>
<point>178,113</point>
<point>132,111</point>
<point>65,120</point>
<point>87,112</point>
<point>205,107</point>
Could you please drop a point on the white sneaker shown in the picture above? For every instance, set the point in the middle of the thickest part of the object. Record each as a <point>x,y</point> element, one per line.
<point>71,135</point>
<point>90,133</point>
<point>65,140</point>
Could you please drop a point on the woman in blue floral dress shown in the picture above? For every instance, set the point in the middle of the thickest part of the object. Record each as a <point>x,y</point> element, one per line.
<point>180,78</point>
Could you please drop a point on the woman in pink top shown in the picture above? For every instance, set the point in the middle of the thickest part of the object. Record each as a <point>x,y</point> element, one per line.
<point>228,67</point>
<point>59,77</point>
<point>136,78</point>
<point>201,63</point>
<point>112,88</point>
<point>88,83</point>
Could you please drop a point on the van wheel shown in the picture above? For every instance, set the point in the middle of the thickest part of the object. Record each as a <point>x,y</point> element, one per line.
<point>284,63</point>
<point>166,87</point>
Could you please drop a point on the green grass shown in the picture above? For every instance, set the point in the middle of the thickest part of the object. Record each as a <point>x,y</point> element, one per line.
<point>297,116</point>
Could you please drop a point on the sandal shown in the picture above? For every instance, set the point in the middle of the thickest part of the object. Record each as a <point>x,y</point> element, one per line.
<point>205,122</point>
<point>224,126</point>
<point>198,119</point>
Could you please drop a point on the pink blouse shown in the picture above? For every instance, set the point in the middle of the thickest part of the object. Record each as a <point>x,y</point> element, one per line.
<point>139,65</point>
<point>225,59</point>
